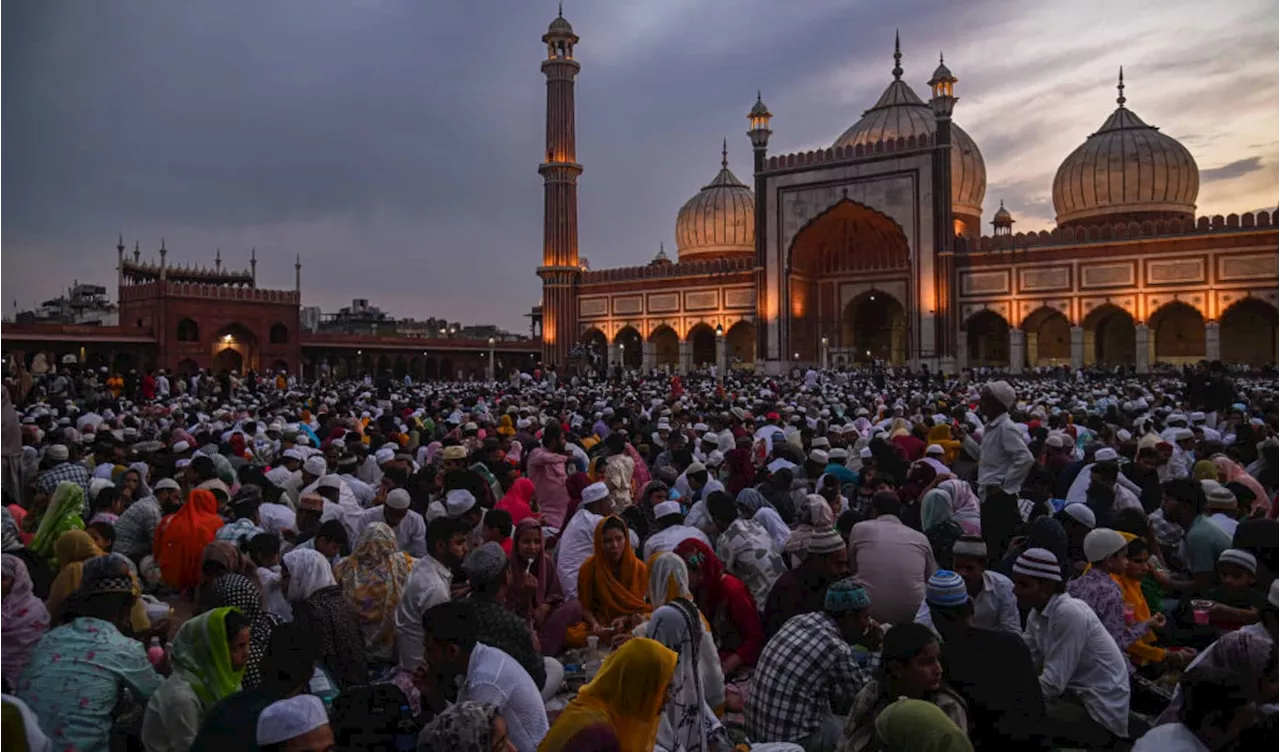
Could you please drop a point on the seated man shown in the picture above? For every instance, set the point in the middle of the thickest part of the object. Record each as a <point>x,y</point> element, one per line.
<point>298,724</point>
<point>1083,674</point>
<point>487,674</point>
<point>990,593</point>
<point>670,529</point>
<point>1217,708</point>
<point>808,674</point>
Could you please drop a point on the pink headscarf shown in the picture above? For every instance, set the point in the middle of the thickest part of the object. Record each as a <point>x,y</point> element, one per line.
<point>1233,473</point>
<point>25,620</point>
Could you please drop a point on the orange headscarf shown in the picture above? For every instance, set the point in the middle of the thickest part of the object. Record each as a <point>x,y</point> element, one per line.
<point>609,597</point>
<point>1144,649</point>
<point>182,536</point>
<point>627,696</point>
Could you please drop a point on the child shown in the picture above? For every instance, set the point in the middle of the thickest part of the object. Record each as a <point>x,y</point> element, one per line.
<point>1235,601</point>
<point>103,533</point>
<point>108,505</point>
<point>497,528</point>
<point>264,549</point>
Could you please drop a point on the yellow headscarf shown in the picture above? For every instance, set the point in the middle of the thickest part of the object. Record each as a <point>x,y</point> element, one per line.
<point>627,695</point>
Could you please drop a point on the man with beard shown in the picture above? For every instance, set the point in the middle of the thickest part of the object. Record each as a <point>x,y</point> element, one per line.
<point>137,524</point>
<point>428,585</point>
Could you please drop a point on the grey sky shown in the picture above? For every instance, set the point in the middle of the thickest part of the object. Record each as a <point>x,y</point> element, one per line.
<point>393,144</point>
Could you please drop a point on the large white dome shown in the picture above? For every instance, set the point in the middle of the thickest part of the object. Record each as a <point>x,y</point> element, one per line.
<point>719,221</point>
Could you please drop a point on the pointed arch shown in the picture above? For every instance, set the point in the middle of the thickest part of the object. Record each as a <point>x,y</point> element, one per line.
<point>1177,333</point>
<point>1109,336</point>
<point>1048,334</point>
<point>632,347</point>
<point>1247,332</point>
<point>988,337</point>
<point>666,346</point>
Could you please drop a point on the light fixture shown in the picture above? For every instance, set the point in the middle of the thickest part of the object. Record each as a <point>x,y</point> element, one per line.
<point>491,340</point>
<point>719,330</point>
<point>226,338</point>
<point>824,341</point>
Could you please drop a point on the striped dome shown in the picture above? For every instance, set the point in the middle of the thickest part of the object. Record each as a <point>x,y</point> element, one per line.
<point>719,221</point>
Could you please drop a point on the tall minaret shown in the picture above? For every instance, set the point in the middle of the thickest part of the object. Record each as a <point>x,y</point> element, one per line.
<point>560,171</point>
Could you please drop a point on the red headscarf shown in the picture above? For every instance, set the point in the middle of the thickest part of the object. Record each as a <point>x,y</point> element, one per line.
<point>181,538</point>
<point>698,555</point>
<point>518,501</point>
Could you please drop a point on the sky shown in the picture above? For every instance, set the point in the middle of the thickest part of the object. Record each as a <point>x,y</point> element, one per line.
<point>393,145</point>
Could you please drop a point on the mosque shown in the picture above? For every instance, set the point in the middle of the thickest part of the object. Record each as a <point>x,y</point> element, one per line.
<point>873,250</point>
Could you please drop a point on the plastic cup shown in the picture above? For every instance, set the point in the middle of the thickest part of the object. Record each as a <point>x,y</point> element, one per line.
<point>1129,616</point>
<point>1200,611</point>
<point>593,643</point>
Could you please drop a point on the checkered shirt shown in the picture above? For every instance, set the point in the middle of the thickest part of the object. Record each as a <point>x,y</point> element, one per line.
<point>805,671</point>
<point>74,472</point>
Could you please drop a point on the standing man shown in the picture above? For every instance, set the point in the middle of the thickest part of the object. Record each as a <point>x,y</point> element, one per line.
<point>1004,460</point>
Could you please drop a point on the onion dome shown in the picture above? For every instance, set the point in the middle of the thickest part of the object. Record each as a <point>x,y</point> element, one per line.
<point>900,113</point>
<point>661,258</point>
<point>559,24</point>
<point>1126,171</point>
<point>1002,218</point>
<point>720,220</point>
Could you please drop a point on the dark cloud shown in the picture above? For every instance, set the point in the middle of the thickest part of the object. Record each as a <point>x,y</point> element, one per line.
<point>393,144</point>
<point>1231,170</point>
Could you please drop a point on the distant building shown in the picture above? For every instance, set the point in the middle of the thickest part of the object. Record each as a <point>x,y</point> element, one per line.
<point>84,305</point>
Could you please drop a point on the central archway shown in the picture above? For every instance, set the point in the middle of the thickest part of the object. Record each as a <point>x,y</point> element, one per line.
<point>666,346</point>
<point>1048,337</point>
<point>741,342</point>
<point>702,339</point>
<point>849,243</point>
<point>875,328</point>
<point>632,347</point>
<point>593,351</point>
<point>988,336</point>
<point>1109,336</point>
<point>1177,330</point>
<point>235,348</point>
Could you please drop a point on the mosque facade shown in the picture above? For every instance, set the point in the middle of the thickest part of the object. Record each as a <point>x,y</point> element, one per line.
<point>873,250</point>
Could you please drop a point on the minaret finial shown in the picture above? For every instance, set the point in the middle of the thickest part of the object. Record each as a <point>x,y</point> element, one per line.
<point>137,251</point>
<point>163,250</point>
<point>941,60</point>
<point>1120,100</point>
<point>897,56</point>
<point>560,10</point>
<point>120,243</point>
<point>217,260</point>
<point>724,154</point>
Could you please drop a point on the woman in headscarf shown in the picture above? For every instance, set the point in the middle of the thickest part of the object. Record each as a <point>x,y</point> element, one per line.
<point>1204,470</point>
<point>1229,472</point>
<point>372,579</point>
<point>726,603</point>
<point>697,685</point>
<point>63,514</point>
<point>1247,654</point>
<point>180,539</point>
<point>466,727</point>
<point>77,673</point>
<point>621,709</point>
<point>518,500</point>
<point>611,586</point>
<point>208,656</point>
<point>910,666</point>
<point>37,566</point>
<point>12,476</point>
<point>813,514</point>
<point>320,609</point>
<point>24,622</point>
<point>238,592</point>
<point>918,726</point>
<point>219,559</point>
<point>752,505</point>
<point>535,592</point>
<point>72,549</point>
<point>741,469</point>
<point>951,499</point>
<point>889,463</point>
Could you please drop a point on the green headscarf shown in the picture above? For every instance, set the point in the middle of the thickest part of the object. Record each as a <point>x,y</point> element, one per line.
<point>201,655</point>
<point>1205,470</point>
<point>63,514</point>
<point>919,726</point>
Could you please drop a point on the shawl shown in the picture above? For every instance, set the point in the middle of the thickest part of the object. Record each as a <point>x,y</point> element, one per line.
<point>62,515</point>
<point>741,470</point>
<point>549,589</point>
<point>697,555</point>
<point>12,429</point>
<point>231,560</point>
<point>919,726</point>
<point>640,474</point>
<point>1233,473</point>
<point>678,624</point>
<point>238,592</point>
<point>12,535</point>
<point>518,501</point>
<point>1241,653</point>
<point>201,657</point>
<point>627,695</point>
<point>752,505</point>
<point>309,571</point>
<point>461,727</point>
<point>608,596</point>
<point>940,434</point>
<point>1205,470</point>
<point>24,622</point>
<point>181,537</point>
<point>952,500</point>
<point>814,513</point>
<point>372,580</point>
<point>73,549</point>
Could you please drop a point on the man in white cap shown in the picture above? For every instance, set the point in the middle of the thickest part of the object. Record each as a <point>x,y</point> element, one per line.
<point>671,529</point>
<point>577,542</point>
<point>297,724</point>
<point>1105,549</point>
<point>1004,460</point>
<point>410,528</point>
<point>1126,491</point>
<point>1083,676</point>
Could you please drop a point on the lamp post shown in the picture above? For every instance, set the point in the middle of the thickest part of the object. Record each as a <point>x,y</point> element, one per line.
<point>491,363</point>
<point>825,358</point>
<point>720,352</point>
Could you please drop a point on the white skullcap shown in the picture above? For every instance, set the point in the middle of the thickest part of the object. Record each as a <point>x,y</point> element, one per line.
<point>839,453</point>
<point>594,492</point>
<point>1101,543</point>
<point>293,453</point>
<point>1105,454</point>
<point>665,508</point>
<point>1056,440</point>
<point>934,449</point>
<point>288,719</point>
<point>384,455</point>
<point>398,498</point>
<point>181,447</point>
<point>329,481</point>
<point>865,453</point>
<point>165,484</point>
<point>314,466</point>
<point>1080,512</point>
<point>458,502</point>
<point>819,457</point>
<point>1002,392</point>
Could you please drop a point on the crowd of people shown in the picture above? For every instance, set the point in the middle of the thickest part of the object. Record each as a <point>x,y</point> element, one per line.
<point>851,560</point>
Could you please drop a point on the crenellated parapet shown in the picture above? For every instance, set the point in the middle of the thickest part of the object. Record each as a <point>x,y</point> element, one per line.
<point>1106,233</point>
<point>849,153</point>
<point>212,292</point>
<point>702,268</point>
<point>142,272</point>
